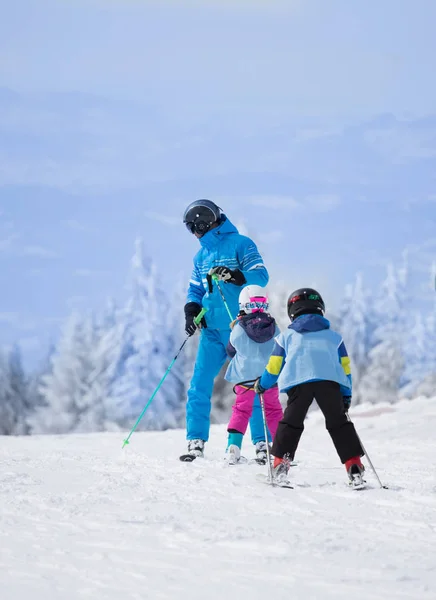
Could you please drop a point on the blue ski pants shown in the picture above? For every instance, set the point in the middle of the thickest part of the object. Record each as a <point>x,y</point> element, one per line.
<point>211,356</point>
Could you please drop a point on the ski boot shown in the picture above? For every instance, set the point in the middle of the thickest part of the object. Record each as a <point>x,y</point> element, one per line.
<point>261,453</point>
<point>195,450</point>
<point>233,454</point>
<point>355,471</point>
<point>280,471</point>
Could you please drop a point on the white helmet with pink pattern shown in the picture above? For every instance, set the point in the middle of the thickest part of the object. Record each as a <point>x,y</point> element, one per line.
<point>252,299</point>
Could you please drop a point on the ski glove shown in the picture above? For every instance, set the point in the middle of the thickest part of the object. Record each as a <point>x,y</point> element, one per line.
<point>228,276</point>
<point>257,387</point>
<point>192,309</point>
<point>347,402</point>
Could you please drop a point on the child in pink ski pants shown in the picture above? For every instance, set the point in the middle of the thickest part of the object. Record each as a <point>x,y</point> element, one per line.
<point>243,408</point>
<point>251,342</point>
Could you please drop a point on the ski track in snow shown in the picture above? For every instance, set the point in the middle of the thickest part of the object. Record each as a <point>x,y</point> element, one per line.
<point>81,518</point>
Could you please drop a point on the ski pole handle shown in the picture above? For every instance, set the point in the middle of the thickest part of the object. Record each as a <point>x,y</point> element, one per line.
<point>200,316</point>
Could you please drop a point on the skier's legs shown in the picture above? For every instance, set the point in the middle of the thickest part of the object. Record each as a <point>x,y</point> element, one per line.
<point>329,398</point>
<point>211,356</point>
<point>273,409</point>
<point>291,427</point>
<point>242,409</point>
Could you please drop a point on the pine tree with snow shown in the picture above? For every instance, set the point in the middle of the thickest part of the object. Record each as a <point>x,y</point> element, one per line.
<point>427,387</point>
<point>426,380</point>
<point>37,400</point>
<point>381,381</point>
<point>417,365</point>
<point>151,343</point>
<point>355,323</point>
<point>62,387</point>
<point>20,392</point>
<point>135,381</point>
<point>75,391</point>
<point>14,399</point>
<point>104,337</point>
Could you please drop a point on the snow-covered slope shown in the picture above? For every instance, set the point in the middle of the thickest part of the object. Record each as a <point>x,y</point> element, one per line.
<point>81,518</point>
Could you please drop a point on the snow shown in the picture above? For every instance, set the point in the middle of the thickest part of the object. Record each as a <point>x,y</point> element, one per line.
<point>81,518</point>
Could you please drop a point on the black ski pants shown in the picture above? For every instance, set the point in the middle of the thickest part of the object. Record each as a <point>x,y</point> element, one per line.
<point>329,398</point>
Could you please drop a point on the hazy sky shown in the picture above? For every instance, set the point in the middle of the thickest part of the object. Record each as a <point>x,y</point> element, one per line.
<point>311,123</point>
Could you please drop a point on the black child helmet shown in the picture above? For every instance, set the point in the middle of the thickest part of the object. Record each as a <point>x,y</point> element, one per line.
<point>305,301</point>
<point>201,215</point>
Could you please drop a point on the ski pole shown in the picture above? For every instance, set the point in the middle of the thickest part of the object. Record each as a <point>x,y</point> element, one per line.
<point>215,278</point>
<point>268,453</point>
<point>197,322</point>
<point>250,382</point>
<point>385,487</point>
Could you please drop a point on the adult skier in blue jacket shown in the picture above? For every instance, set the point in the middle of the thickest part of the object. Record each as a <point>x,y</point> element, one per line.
<point>236,262</point>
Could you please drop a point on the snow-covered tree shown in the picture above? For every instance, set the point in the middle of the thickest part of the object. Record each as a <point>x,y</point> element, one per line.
<point>355,323</point>
<point>152,339</point>
<point>15,403</point>
<point>20,392</point>
<point>426,381</point>
<point>62,387</point>
<point>417,365</point>
<point>381,380</point>
<point>37,400</point>
<point>75,391</point>
<point>104,340</point>
<point>136,379</point>
<point>427,387</point>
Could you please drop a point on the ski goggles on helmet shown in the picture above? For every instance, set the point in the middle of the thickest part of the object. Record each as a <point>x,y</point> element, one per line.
<point>304,297</point>
<point>200,227</point>
<point>256,304</point>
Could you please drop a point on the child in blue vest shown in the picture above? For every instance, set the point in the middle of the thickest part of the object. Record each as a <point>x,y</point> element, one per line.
<point>313,363</point>
<point>251,343</point>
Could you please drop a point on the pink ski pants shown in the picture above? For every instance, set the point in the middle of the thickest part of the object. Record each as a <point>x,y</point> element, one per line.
<point>243,407</point>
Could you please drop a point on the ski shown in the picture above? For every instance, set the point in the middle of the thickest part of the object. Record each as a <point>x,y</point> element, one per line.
<point>232,461</point>
<point>357,485</point>
<point>266,479</point>
<point>195,450</point>
<point>287,485</point>
<point>251,461</point>
<point>187,457</point>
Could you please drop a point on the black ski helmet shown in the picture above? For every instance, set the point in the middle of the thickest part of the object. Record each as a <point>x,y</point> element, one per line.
<point>201,215</point>
<point>305,301</point>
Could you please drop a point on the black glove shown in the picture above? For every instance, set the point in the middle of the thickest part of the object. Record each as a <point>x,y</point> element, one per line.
<point>192,309</point>
<point>257,387</point>
<point>347,402</point>
<point>228,276</point>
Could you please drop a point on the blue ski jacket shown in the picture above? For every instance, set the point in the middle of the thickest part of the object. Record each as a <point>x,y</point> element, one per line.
<point>224,246</point>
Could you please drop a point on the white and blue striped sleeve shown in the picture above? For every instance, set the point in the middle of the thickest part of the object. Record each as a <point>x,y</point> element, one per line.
<point>195,290</point>
<point>252,264</point>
